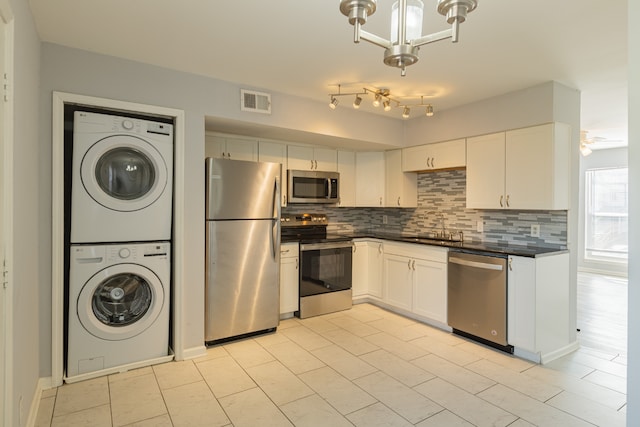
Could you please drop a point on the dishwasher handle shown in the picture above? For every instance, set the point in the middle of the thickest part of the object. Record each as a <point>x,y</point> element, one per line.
<point>476,264</point>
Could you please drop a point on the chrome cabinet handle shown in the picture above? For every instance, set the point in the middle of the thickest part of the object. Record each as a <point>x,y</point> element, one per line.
<point>398,201</point>
<point>510,264</point>
<point>316,164</point>
<point>296,263</point>
<point>409,264</point>
<point>380,248</point>
<point>507,200</point>
<point>380,201</point>
<point>413,265</point>
<point>285,251</point>
<point>311,164</point>
<point>501,204</point>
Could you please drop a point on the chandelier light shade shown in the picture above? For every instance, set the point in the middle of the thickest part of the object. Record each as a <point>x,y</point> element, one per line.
<point>406,26</point>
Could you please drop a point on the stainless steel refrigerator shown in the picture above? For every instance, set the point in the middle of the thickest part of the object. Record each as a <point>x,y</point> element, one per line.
<point>242,290</point>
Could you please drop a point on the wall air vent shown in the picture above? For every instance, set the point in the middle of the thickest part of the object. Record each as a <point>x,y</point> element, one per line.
<point>258,102</point>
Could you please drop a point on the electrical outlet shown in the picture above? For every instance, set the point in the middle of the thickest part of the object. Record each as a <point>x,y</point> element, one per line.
<point>535,230</point>
<point>480,226</point>
<point>384,219</point>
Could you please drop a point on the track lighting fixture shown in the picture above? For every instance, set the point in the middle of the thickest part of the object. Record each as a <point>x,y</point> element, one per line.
<point>380,96</point>
<point>406,26</point>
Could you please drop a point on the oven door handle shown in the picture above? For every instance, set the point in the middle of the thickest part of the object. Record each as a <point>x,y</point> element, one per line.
<point>325,245</point>
<point>476,264</point>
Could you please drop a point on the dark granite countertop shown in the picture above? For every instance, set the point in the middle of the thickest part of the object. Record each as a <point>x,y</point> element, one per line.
<point>497,248</point>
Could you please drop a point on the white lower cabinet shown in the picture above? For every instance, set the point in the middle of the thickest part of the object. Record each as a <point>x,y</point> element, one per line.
<point>415,280</point>
<point>538,323</point>
<point>289,264</point>
<point>367,268</point>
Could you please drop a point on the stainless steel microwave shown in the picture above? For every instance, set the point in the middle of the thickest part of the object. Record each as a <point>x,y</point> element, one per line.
<point>313,186</point>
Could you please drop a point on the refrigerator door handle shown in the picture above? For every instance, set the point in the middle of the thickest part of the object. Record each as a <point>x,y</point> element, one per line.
<point>275,228</point>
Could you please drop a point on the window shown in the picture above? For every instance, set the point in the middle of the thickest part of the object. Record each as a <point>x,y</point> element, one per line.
<point>607,218</point>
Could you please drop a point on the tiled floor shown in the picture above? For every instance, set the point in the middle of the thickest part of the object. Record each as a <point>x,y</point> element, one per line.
<point>362,367</point>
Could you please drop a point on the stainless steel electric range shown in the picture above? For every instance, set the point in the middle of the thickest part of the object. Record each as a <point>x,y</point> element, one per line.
<point>325,264</point>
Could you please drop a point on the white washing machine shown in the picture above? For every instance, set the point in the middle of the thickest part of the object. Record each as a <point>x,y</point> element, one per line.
<point>122,179</point>
<point>119,307</point>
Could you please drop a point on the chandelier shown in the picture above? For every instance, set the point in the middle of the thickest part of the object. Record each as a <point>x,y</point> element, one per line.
<point>406,27</point>
<point>380,97</point>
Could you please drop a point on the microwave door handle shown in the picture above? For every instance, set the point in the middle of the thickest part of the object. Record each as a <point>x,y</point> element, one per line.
<point>328,188</point>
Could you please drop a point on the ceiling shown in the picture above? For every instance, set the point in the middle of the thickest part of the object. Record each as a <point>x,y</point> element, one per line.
<point>305,48</point>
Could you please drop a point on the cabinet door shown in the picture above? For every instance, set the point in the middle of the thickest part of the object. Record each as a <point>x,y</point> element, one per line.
<point>415,159</point>
<point>289,278</point>
<point>347,170</point>
<point>401,188</point>
<point>376,267</point>
<point>450,154</point>
<point>242,149</point>
<point>486,171</point>
<point>370,179</point>
<point>398,281</point>
<point>300,158</point>
<point>276,152</point>
<point>430,289</point>
<point>325,159</point>
<point>537,167</point>
<point>360,269</point>
<point>521,304</point>
<point>214,146</point>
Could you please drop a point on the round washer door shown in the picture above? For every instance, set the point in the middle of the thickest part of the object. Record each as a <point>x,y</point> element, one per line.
<point>123,173</point>
<point>120,302</point>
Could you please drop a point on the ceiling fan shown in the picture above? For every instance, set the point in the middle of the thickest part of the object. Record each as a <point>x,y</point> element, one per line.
<point>586,142</point>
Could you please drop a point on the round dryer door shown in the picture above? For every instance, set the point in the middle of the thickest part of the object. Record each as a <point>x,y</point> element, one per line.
<point>123,173</point>
<point>120,302</point>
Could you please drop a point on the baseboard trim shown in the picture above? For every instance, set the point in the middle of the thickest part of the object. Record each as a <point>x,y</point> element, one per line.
<point>194,352</point>
<point>43,384</point>
<point>556,354</point>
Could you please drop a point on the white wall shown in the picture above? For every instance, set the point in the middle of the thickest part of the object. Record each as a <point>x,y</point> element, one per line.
<point>611,158</point>
<point>28,275</point>
<point>633,369</point>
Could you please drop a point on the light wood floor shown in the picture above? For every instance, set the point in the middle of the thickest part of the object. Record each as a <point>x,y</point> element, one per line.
<point>602,312</point>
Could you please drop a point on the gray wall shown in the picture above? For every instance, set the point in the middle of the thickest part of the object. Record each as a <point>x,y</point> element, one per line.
<point>30,274</point>
<point>611,158</point>
<point>80,72</point>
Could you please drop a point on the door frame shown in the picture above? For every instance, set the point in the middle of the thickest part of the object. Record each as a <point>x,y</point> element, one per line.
<point>6,224</point>
<point>57,215</point>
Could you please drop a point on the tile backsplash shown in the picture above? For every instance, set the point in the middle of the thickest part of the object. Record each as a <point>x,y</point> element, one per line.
<point>442,198</point>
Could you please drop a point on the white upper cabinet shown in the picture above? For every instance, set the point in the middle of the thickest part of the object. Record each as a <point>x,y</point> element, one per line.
<point>401,188</point>
<point>347,170</point>
<point>276,152</point>
<point>312,158</point>
<point>520,169</point>
<point>441,155</point>
<point>370,180</point>
<point>223,147</point>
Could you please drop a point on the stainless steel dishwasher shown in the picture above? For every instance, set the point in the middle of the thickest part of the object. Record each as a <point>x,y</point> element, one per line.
<point>477,297</point>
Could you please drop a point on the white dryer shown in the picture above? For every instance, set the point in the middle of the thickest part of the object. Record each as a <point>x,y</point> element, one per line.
<point>119,303</point>
<point>122,179</point>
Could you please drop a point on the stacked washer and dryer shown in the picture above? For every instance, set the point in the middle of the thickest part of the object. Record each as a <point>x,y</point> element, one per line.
<point>120,242</point>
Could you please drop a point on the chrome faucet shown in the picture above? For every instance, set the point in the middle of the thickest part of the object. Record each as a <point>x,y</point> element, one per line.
<point>440,216</point>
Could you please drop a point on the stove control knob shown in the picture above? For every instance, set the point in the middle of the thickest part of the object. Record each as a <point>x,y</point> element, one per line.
<point>124,253</point>
<point>127,124</point>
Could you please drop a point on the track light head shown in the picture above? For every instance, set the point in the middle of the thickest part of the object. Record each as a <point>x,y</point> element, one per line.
<point>334,103</point>
<point>387,105</point>
<point>357,102</point>
<point>376,101</point>
<point>405,112</point>
<point>429,110</point>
